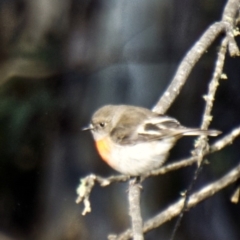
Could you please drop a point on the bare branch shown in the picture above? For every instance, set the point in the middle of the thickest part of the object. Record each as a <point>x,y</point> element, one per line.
<point>173,210</point>
<point>191,58</point>
<point>214,84</point>
<point>135,209</point>
<point>230,11</point>
<point>202,142</point>
<point>84,190</point>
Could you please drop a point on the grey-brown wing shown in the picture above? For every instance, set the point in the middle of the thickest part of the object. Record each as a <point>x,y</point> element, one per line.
<point>160,126</point>
<point>126,129</point>
<point>146,129</point>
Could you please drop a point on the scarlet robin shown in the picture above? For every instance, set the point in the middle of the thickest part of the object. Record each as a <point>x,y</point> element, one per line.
<point>134,140</point>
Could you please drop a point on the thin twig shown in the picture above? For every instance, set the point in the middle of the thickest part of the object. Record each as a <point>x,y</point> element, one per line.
<point>207,118</point>
<point>226,24</point>
<point>226,140</point>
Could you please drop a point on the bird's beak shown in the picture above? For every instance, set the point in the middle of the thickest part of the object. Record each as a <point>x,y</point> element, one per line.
<point>89,127</point>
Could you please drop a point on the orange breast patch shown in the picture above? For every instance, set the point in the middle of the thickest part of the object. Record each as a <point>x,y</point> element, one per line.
<point>104,149</point>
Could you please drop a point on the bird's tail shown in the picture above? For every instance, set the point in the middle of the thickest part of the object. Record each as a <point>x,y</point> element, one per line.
<point>197,131</point>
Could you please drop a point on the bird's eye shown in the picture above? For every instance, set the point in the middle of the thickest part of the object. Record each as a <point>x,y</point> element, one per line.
<point>102,124</point>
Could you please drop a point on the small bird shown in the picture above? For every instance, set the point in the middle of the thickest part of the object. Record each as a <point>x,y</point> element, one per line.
<point>134,140</point>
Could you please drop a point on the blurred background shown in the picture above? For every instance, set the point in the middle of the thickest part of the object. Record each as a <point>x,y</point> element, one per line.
<point>60,60</point>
